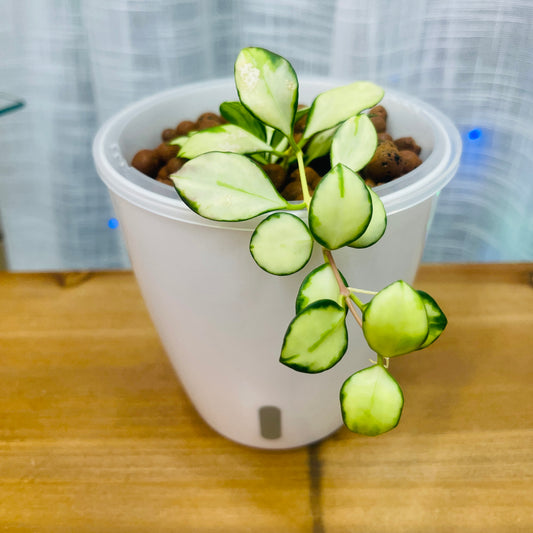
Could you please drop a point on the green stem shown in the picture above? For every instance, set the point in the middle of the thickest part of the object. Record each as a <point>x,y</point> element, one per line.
<point>285,162</point>
<point>260,158</point>
<point>358,302</point>
<point>301,170</point>
<point>383,361</point>
<point>295,207</point>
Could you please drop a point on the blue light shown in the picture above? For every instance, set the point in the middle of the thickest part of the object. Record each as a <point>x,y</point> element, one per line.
<point>112,223</point>
<point>474,134</point>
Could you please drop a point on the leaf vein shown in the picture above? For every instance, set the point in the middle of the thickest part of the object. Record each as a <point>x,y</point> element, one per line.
<point>325,335</point>
<point>243,191</point>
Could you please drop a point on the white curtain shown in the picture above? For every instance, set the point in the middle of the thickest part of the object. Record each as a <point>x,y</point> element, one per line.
<point>76,62</point>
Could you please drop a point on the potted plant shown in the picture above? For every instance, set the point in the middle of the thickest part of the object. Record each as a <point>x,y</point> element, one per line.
<point>219,316</point>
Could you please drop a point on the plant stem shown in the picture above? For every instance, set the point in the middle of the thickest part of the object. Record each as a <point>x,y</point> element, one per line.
<point>301,171</point>
<point>361,291</point>
<point>260,158</point>
<point>351,307</point>
<point>358,302</point>
<point>296,207</point>
<point>383,361</point>
<point>342,287</point>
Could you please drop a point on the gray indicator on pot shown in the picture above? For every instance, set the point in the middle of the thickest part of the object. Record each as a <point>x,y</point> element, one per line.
<point>270,422</point>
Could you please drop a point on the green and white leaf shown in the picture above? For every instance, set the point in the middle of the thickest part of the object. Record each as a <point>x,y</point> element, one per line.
<point>319,284</point>
<point>182,139</point>
<point>340,208</point>
<point>225,138</point>
<point>227,187</point>
<point>371,401</point>
<point>281,244</point>
<point>316,338</point>
<point>268,87</point>
<point>319,145</point>
<point>395,321</point>
<point>377,226</point>
<point>437,319</point>
<point>236,113</point>
<point>354,143</point>
<point>336,105</point>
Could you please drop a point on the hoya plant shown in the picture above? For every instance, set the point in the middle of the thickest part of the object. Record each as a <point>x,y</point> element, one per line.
<point>224,180</point>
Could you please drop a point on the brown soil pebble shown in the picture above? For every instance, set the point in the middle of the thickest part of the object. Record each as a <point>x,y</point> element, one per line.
<point>208,120</point>
<point>147,162</point>
<point>384,136</point>
<point>170,168</point>
<point>407,143</point>
<point>166,152</point>
<point>168,135</point>
<point>293,189</point>
<point>385,165</point>
<point>379,123</point>
<point>409,161</point>
<point>163,174</point>
<point>166,181</point>
<point>378,117</point>
<point>277,175</point>
<point>175,164</point>
<point>311,175</point>
<point>380,111</point>
<point>184,127</point>
<point>322,165</point>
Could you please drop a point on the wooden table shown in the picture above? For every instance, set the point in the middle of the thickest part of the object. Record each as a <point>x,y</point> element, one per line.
<point>97,435</point>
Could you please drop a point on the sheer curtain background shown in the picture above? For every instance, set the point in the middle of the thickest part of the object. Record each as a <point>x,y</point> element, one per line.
<point>76,62</point>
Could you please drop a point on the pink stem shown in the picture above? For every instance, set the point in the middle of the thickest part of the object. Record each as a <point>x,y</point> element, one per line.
<point>342,288</point>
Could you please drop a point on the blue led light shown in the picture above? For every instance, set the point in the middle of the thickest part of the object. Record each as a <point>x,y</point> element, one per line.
<point>112,223</point>
<point>474,134</point>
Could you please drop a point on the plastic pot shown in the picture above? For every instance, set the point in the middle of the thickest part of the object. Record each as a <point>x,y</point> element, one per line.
<point>221,318</point>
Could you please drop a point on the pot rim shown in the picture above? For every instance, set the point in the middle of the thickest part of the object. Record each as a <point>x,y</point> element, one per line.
<point>402,193</point>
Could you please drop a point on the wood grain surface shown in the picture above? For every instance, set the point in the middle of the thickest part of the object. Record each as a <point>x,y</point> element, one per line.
<point>96,434</point>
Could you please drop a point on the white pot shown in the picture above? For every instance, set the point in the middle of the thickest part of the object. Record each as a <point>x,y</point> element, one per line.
<point>221,318</point>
